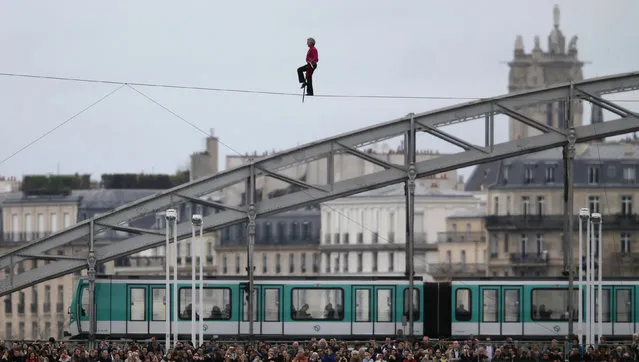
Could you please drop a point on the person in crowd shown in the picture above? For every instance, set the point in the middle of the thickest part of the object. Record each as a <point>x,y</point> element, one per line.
<point>323,350</point>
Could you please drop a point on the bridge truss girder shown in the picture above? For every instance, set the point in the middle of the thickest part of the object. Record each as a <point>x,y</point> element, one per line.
<point>271,166</point>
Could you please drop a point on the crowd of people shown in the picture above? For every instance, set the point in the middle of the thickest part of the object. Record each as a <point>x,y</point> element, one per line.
<point>320,350</point>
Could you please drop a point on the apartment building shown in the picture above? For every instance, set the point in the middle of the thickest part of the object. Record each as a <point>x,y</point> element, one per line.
<point>40,312</point>
<point>524,215</point>
<point>366,233</point>
<point>461,248</point>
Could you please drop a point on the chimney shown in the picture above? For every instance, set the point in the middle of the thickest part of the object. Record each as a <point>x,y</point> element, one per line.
<point>212,148</point>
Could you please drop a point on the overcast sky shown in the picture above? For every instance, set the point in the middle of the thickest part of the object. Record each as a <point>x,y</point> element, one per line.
<point>392,47</point>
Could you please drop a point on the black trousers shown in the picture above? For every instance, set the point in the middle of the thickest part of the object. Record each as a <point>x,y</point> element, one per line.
<point>309,78</point>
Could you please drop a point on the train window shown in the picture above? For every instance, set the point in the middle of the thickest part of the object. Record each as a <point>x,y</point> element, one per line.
<point>624,306</point>
<point>552,304</point>
<point>137,306</point>
<point>384,305</point>
<point>606,305</point>
<point>512,304</point>
<point>271,305</point>
<point>415,303</point>
<point>362,305</point>
<point>490,305</point>
<point>158,307</point>
<point>84,302</point>
<point>216,303</point>
<point>313,303</point>
<point>463,308</point>
<point>245,308</point>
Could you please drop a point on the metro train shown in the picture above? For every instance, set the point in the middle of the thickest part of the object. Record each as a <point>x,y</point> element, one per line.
<point>350,307</point>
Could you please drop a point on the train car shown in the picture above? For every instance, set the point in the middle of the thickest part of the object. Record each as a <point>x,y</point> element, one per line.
<point>536,308</point>
<point>357,307</point>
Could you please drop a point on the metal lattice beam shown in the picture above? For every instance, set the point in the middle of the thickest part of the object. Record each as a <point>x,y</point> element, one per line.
<point>325,149</point>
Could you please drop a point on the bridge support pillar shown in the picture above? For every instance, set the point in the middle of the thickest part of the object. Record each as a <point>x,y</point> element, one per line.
<point>91,261</point>
<point>251,214</point>
<point>568,158</point>
<point>409,191</point>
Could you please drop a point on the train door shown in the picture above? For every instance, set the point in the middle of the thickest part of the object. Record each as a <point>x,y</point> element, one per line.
<point>137,316</point>
<point>384,323</point>
<point>363,306</point>
<point>512,309</point>
<point>157,315</point>
<point>272,309</point>
<point>82,312</point>
<point>244,309</point>
<point>489,311</point>
<point>623,315</point>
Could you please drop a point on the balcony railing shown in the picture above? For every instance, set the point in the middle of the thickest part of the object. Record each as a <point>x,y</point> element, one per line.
<point>461,237</point>
<point>140,262</point>
<point>556,222</point>
<point>527,259</point>
<point>446,270</point>
<point>627,259</point>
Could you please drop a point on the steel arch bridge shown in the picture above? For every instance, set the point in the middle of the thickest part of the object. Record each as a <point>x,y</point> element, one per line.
<point>590,90</point>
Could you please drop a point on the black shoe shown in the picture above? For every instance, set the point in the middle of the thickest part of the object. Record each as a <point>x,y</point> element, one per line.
<point>309,94</point>
<point>303,85</point>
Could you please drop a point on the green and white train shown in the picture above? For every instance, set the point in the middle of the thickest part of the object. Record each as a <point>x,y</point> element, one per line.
<point>352,307</point>
<point>134,307</point>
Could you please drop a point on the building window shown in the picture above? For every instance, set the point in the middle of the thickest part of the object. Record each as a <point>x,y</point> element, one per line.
<point>561,114</point>
<point>494,246</point>
<point>593,203</point>
<point>523,244</point>
<point>525,205</point>
<point>291,263</point>
<point>391,262</point>
<point>345,264</point>
<point>625,243</point>
<point>496,205</point>
<point>278,263</point>
<point>337,262</point>
<point>268,232</point>
<point>303,262</point>
<point>54,223</point>
<point>506,242</point>
<point>626,205</point>
<point>449,257</point>
<point>541,204</point>
<point>549,115</point>
<point>374,262</point>
<point>629,174</point>
<point>281,231</point>
<point>593,175</point>
<point>529,175</point>
<point>550,174</point>
<point>295,230</point>
<point>316,263</point>
<point>540,244</point>
<point>328,262</point>
<point>264,263</point>
<point>306,230</point>
<point>360,262</point>
<point>225,265</point>
<point>237,264</point>
<point>8,305</point>
<point>506,174</point>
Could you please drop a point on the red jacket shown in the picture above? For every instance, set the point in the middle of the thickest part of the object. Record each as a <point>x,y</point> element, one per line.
<point>311,55</point>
